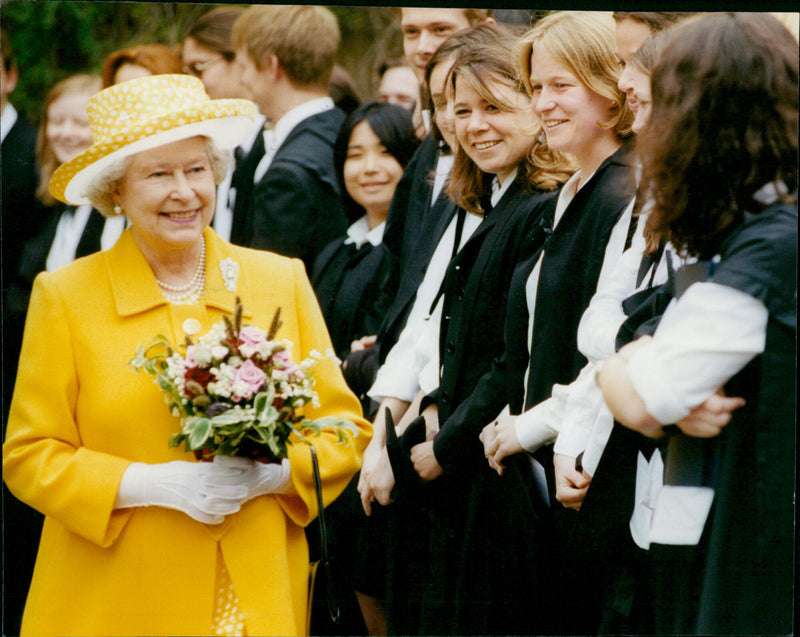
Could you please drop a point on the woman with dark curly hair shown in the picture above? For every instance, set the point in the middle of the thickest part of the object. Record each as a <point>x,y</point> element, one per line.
<point>720,159</point>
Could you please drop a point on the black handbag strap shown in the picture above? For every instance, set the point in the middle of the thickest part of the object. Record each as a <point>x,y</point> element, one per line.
<point>333,605</point>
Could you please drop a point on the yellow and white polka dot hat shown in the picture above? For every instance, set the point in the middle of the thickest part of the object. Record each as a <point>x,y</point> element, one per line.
<point>145,113</point>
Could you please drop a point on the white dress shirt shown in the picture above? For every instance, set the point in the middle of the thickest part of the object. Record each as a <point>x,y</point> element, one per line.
<point>7,120</point>
<point>277,135</point>
<point>703,339</point>
<point>360,233</point>
<point>69,231</point>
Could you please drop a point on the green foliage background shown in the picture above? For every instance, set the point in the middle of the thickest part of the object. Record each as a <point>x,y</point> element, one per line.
<point>53,39</point>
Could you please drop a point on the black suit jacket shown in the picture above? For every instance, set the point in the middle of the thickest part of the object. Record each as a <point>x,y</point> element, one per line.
<point>35,252</point>
<point>22,213</point>
<point>295,209</point>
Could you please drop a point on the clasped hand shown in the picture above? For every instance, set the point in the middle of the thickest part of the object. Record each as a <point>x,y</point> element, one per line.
<point>205,491</point>
<point>500,440</point>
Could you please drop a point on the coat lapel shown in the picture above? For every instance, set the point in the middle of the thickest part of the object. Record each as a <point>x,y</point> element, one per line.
<point>134,286</point>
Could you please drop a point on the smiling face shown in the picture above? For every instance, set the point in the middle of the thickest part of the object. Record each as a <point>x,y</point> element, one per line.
<point>640,82</point>
<point>424,29</point>
<point>629,35</point>
<point>494,136</point>
<point>370,172</point>
<point>442,108</point>
<point>168,194</point>
<point>571,113</point>
<point>67,129</point>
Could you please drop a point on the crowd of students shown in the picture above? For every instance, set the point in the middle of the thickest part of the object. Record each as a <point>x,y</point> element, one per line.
<point>560,273</point>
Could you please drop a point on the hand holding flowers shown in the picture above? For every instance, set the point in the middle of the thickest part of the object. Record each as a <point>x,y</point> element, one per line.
<point>237,391</point>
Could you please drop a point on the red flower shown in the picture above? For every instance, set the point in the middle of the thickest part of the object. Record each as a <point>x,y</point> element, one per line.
<point>201,376</point>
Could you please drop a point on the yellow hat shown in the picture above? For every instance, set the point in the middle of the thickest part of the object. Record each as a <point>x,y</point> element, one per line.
<point>145,113</point>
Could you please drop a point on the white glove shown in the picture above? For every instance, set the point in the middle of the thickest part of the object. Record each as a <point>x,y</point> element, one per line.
<point>205,491</point>
<point>260,478</point>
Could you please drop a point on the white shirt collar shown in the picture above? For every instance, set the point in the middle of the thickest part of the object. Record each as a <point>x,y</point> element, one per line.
<point>274,137</point>
<point>7,120</point>
<point>359,233</point>
<point>292,118</point>
<point>567,194</point>
<point>498,191</point>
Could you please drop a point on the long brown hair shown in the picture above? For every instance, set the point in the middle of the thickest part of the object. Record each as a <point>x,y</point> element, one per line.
<point>478,65</point>
<point>723,124</point>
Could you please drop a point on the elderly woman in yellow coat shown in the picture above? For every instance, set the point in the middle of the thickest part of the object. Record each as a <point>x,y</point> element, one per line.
<point>139,537</point>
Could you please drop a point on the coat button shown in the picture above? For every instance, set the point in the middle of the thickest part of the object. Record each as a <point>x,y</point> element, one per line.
<point>191,326</point>
<point>445,398</point>
<point>451,347</point>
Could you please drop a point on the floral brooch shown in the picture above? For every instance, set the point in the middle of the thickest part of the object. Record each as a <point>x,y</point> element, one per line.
<point>230,273</point>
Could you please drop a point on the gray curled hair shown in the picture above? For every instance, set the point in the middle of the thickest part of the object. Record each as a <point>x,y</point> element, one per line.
<point>100,191</point>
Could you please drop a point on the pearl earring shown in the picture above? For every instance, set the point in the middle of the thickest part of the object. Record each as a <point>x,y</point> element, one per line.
<point>117,210</point>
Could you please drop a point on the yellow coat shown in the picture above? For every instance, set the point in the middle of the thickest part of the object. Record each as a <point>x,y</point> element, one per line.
<point>79,416</point>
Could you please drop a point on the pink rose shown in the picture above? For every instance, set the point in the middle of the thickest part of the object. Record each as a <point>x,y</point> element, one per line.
<point>249,339</point>
<point>248,380</point>
<point>283,361</point>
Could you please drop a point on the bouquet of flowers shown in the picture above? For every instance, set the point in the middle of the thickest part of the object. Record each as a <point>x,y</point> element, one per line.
<point>237,391</point>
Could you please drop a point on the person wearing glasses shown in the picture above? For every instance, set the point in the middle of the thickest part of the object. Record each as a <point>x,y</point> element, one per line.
<point>208,54</point>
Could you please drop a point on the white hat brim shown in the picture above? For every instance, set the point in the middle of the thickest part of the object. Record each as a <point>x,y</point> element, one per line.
<point>226,133</point>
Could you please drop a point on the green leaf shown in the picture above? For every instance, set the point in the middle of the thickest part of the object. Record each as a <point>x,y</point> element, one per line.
<point>176,439</point>
<point>200,431</point>
<point>231,417</point>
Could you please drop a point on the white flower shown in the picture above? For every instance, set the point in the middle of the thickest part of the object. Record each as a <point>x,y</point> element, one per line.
<point>203,355</point>
<point>219,351</point>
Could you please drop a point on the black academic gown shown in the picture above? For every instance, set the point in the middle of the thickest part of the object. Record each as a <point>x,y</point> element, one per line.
<point>439,583</point>
<point>349,284</point>
<point>295,208</point>
<point>739,579</point>
<point>571,264</point>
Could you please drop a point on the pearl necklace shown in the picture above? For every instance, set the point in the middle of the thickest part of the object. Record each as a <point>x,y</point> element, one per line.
<point>189,293</point>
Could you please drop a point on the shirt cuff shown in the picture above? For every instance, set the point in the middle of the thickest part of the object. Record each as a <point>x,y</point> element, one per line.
<point>533,429</point>
<point>386,385</point>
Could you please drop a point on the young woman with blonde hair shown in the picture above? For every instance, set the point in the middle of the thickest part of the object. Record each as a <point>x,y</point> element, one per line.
<point>568,63</point>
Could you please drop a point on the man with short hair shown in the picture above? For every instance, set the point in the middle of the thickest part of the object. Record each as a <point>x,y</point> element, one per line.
<point>424,29</point>
<point>286,54</point>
